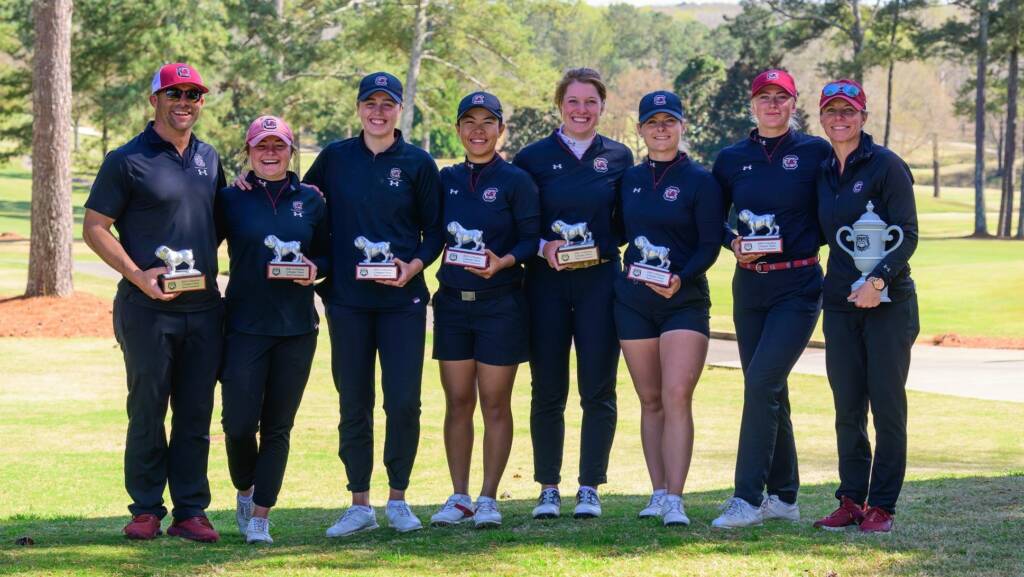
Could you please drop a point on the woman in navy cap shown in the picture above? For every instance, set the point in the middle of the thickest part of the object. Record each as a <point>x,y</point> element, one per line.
<point>672,210</point>
<point>870,326</point>
<point>577,172</point>
<point>491,214</point>
<point>768,179</point>
<point>271,324</point>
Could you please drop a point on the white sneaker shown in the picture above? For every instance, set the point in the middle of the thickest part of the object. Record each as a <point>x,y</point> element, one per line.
<point>653,508</point>
<point>356,519</point>
<point>737,513</point>
<point>673,513</point>
<point>401,518</point>
<point>775,508</point>
<point>487,514</point>
<point>258,531</point>
<point>549,505</point>
<point>243,512</point>
<point>456,509</point>
<point>588,505</point>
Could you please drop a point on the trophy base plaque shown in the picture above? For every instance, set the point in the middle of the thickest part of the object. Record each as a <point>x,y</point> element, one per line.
<point>465,258</point>
<point>180,283</point>
<point>289,271</point>
<point>646,273</point>
<point>760,244</point>
<point>376,271</point>
<point>577,256</point>
<point>860,282</point>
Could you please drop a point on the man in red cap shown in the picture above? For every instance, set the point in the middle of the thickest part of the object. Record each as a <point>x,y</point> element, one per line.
<point>158,191</point>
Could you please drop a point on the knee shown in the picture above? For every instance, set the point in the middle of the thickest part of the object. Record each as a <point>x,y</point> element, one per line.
<point>460,405</point>
<point>650,402</point>
<point>239,427</point>
<point>495,410</point>
<point>403,408</point>
<point>678,396</point>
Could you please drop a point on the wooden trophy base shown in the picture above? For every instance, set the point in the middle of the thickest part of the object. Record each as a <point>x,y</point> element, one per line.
<point>577,256</point>
<point>646,273</point>
<point>760,244</point>
<point>376,271</point>
<point>289,271</point>
<point>465,258</point>
<point>181,283</point>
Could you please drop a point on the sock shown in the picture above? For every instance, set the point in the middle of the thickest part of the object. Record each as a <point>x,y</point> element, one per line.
<point>366,508</point>
<point>462,497</point>
<point>582,487</point>
<point>660,492</point>
<point>395,502</point>
<point>244,499</point>
<point>674,497</point>
<point>484,499</point>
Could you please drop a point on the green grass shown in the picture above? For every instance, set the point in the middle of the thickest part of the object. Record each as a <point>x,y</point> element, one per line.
<point>62,421</point>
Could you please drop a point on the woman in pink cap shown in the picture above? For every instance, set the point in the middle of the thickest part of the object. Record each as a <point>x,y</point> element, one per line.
<point>271,326</point>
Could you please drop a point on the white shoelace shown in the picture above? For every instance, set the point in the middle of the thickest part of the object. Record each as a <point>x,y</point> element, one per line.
<point>673,505</point>
<point>656,501</point>
<point>401,509</point>
<point>588,497</point>
<point>260,524</point>
<point>549,497</point>
<point>732,507</point>
<point>486,506</point>
<point>452,503</point>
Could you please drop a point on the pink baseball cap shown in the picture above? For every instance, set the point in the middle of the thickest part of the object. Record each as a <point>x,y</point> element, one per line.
<point>849,90</point>
<point>773,77</point>
<point>265,126</point>
<point>177,73</point>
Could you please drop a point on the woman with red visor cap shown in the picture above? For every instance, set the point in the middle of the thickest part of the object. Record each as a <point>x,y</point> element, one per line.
<point>271,325</point>
<point>870,324</point>
<point>768,179</point>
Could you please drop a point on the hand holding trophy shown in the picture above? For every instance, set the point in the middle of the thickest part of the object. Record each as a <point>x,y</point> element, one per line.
<point>473,257</point>
<point>579,249</point>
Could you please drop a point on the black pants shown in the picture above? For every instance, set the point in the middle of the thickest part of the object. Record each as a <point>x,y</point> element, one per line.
<point>169,357</point>
<point>357,335</point>
<point>774,319</point>
<point>867,357</point>
<point>262,381</point>
<point>572,307</point>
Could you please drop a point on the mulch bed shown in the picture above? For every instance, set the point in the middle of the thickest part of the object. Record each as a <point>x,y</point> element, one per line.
<point>80,315</point>
<point>955,340</point>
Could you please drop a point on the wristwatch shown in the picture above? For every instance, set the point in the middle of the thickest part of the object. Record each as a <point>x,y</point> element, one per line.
<point>876,282</point>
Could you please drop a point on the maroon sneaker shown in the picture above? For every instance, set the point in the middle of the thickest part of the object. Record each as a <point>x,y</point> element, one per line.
<point>876,520</point>
<point>143,527</point>
<point>194,529</point>
<point>849,514</point>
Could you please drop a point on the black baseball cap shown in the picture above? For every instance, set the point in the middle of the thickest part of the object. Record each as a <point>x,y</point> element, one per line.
<point>660,101</point>
<point>480,99</point>
<point>380,82</point>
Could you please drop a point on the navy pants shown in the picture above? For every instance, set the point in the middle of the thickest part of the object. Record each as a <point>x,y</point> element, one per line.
<point>572,307</point>
<point>170,358</point>
<point>867,358</point>
<point>262,381</point>
<point>357,336</point>
<point>774,314</point>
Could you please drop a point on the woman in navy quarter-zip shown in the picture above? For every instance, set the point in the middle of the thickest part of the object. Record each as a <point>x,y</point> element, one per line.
<point>577,172</point>
<point>672,211</point>
<point>776,297</point>
<point>271,325</point>
<point>480,317</point>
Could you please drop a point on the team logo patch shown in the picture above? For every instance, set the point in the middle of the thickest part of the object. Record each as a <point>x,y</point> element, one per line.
<point>858,186</point>
<point>490,194</point>
<point>184,72</point>
<point>671,194</point>
<point>772,76</point>
<point>269,124</point>
<point>790,161</point>
<point>396,173</point>
<point>381,81</point>
<point>659,100</point>
<point>199,162</point>
<point>297,208</point>
<point>601,164</point>
<point>863,242</point>
<point>478,99</point>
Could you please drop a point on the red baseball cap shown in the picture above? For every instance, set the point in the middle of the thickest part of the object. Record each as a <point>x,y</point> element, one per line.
<point>265,126</point>
<point>774,77</point>
<point>177,73</point>
<point>846,89</point>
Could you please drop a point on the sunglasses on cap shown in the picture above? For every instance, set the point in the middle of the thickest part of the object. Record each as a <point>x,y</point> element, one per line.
<point>837,87</point>
<point>192,94</point>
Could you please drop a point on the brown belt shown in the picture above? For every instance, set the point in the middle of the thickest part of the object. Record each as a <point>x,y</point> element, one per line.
<point>767,267</point>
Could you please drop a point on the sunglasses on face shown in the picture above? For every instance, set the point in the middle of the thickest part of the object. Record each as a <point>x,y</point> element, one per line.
<point>192,94</point>
<point>836,88</point>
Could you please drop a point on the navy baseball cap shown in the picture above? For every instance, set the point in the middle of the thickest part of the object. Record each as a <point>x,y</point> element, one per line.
<point>380,82</point>
<point>485,100</point>
<point>660,101</point>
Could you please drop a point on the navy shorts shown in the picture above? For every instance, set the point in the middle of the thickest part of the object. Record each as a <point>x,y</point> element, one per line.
<point>493,331</point>
<point>650,322</point>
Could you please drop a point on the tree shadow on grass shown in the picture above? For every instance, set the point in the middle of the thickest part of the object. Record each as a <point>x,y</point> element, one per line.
<point>948,526</point>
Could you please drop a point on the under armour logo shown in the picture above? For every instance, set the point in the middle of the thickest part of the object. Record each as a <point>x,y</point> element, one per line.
<point>393,182</point>
<point>453,191</point>
<point>556,167</point>
<point>202,172</point>
<point>748,167</point>
<point>636,190</point>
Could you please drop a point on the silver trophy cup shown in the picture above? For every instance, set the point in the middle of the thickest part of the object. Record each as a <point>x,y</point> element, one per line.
<point>869,236</point>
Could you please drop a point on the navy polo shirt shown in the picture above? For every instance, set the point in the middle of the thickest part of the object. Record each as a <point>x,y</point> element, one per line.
<point>291,212</point>
<point>393,196</point>
<point>579,189</point>
<point>872,173</point>
<point>499,199</point>
<point>157,196</point>
<point>775,176</point>
<point>678,207</point>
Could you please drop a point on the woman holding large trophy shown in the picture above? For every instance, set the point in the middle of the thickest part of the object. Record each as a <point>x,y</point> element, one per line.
<point>672,211</point>
<point>569,289</point>
<point>866,209</point>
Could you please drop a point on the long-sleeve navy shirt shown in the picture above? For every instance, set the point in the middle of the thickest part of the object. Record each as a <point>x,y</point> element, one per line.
<point>499,199</point>
<point>775,176</point>
<point>392,196</point>
<point>872,173</point>
<point>291,212</point>
<point>579,189</point>
<point>676,205</point>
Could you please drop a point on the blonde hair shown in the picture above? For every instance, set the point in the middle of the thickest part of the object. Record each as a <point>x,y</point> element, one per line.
<point>583,75</point>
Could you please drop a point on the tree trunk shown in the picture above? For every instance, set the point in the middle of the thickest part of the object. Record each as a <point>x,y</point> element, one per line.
<point>1006,206</point>
<point>999,148</point>
<point>298,151</point>
<point>857,39</point>
<point>980,225</point>
<point>935,165</point>
<point>419,39</point>
<point>892,66</point>
<point>49,261</point>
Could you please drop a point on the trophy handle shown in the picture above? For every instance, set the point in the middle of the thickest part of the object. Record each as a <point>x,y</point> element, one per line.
<point>849,237</point>
<point>888,236</point>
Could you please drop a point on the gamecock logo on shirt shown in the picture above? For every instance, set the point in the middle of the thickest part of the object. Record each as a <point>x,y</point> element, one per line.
<point>601,164</point>
<point>671,194</point>
<point>790,161</point>
<point>490,194</point>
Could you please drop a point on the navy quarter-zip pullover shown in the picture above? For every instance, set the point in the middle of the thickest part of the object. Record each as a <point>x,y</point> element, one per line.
<point>393,196</point>
<point>499,199</point>
<point>579,189</point>
<point>291,212</point>
<point>157,196</point>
